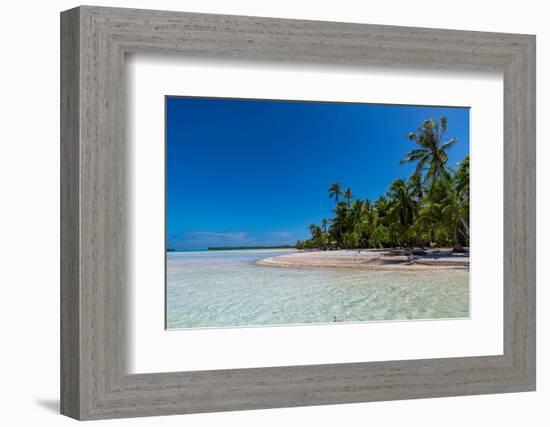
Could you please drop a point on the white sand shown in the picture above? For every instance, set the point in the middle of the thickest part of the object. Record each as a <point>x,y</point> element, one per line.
<point>371,259</point>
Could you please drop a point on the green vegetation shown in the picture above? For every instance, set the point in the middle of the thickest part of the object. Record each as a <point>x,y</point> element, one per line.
<point>431,208</point>
<point>235,248</point>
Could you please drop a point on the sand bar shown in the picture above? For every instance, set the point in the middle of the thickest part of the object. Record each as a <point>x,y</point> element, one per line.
<point>372,259</point>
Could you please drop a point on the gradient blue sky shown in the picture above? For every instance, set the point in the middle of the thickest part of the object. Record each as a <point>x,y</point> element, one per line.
<point>255,172</point>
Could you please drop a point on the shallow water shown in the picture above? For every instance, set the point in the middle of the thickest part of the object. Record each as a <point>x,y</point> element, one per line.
<point>226,288</point>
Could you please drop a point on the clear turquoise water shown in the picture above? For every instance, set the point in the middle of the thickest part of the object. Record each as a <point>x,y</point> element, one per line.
<point>226,288</point>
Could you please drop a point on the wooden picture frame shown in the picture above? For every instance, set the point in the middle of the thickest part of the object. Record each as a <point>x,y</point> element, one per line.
<point>94,382</point>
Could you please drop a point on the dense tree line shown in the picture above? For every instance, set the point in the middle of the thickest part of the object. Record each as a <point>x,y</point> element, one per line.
<point>429,209</point>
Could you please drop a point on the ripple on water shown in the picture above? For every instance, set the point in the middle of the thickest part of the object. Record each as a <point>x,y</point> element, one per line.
<point>215,289</point>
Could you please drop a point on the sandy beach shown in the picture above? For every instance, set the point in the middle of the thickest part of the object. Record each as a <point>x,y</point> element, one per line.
<point>372,259</point>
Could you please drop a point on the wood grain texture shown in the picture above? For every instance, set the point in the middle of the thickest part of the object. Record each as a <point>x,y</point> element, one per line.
<point>70,292</point>
<point>94,382</point>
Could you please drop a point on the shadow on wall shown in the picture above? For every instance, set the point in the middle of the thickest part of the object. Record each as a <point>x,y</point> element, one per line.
<point>51,405</point>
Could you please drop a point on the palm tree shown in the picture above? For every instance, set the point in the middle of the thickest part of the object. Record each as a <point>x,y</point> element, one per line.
<point>382,208</point>
<point>455,214</point>
<point>458,203</point>
<point>347,195</point>
<point>324,223</point>
<point>429,223</point>
<point>402,207</point>
<point>431,207</point>
<point>339,222</point>
<point>431,156</point>
<point>462,176</point>
<point>335,191</point>
<point>370,217</point>
<point>361,220</point>
<point>313,229</point>
<point>358,210</point>
<point>415,184</point>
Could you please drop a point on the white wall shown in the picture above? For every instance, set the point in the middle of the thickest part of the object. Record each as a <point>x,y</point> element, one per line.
<point>29,225</point>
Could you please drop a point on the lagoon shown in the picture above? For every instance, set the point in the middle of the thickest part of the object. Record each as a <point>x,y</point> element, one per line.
<point>228,289</point>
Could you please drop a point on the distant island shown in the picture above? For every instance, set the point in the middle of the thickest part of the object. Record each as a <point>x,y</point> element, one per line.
<point>236,248</point>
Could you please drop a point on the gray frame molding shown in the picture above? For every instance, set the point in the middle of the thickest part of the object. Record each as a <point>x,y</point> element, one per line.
<point>94,382</point>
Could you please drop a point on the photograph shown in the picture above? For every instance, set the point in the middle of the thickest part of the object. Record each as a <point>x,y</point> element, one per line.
<point>286,212</point>
<point>260,214</point>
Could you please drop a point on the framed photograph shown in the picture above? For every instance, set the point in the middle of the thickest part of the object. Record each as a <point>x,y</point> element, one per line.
<point>395,247</point>
<point>262,213</point>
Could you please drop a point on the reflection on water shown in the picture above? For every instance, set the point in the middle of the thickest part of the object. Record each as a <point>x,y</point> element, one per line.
<point>226,288</point>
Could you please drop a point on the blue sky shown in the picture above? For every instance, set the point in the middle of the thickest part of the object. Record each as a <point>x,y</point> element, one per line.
<point>256,172</point>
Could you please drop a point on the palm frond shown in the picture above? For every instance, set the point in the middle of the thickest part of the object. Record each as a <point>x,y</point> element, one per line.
<point>448,144</point>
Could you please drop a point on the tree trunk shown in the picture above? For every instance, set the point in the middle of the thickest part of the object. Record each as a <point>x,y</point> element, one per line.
<point>457,246</point>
